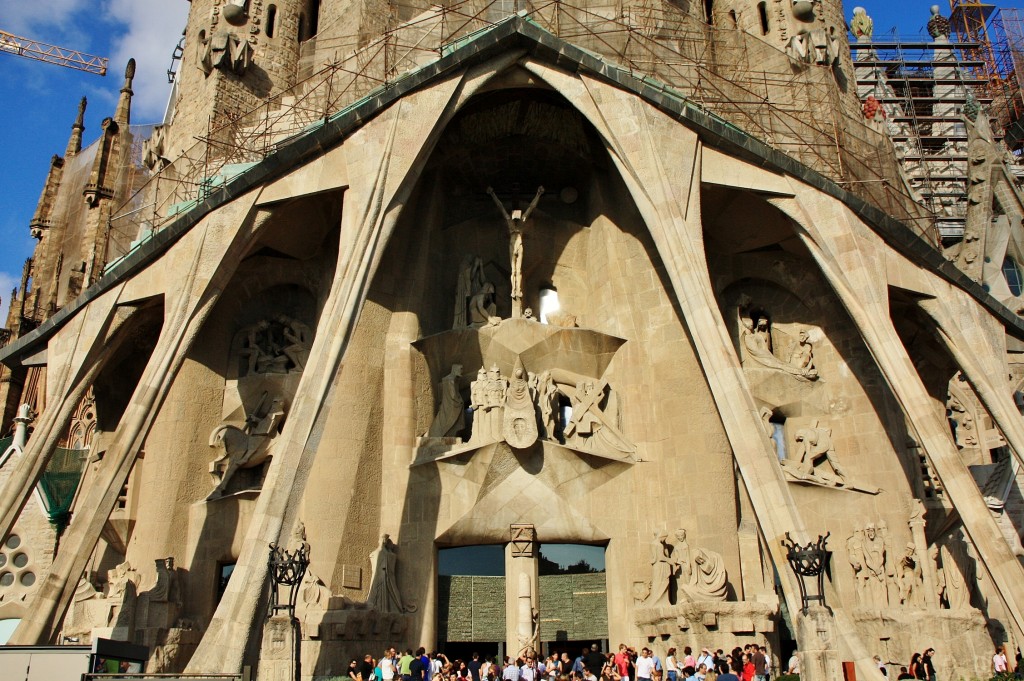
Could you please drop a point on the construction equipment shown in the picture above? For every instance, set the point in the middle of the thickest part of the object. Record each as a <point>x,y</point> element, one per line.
<point>52,54</point>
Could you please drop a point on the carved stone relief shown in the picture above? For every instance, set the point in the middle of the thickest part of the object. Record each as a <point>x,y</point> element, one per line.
<point>246,446</point>
<point>275,346</point>
<point>756,340</point>
<point>680,574</point>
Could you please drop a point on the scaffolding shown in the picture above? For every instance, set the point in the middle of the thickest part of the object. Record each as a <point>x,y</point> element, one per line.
<point>725,73</point>
<point>1006,31</point>
<point>924,88</point>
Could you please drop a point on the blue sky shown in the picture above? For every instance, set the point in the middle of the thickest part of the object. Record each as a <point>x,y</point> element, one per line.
<point>40,100</point>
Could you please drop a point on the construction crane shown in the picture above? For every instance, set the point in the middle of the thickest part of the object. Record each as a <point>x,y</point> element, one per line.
<point>52,54</point>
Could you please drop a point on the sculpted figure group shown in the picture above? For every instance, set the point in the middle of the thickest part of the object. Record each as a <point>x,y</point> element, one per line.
<point>680,574</point>
<point>276,346</point>
<point>525,407</point>
<point>889,577</point>
<point>758,349</point>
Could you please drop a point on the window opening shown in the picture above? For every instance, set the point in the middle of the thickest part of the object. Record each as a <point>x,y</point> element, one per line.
<point>1011,272</point>
<point>762,12</point>
<point>271,20</point>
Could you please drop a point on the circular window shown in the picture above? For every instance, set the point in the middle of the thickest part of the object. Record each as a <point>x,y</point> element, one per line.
<point>20,560</point>
<point>13,542</point>
<point>3,559</point>
<point>28,579</point>
<point>6,579</point>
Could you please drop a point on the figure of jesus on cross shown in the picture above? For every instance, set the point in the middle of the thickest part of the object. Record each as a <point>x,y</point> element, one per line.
<point>516,223</point>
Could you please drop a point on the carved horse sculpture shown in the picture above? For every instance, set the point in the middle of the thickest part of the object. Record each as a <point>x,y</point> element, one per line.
<point>244,447</point>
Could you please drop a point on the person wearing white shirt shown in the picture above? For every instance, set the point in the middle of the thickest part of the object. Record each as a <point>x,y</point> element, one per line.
<point>644,666</point>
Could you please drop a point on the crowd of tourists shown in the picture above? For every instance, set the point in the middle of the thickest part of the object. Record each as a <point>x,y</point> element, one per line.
<point>750,663</point>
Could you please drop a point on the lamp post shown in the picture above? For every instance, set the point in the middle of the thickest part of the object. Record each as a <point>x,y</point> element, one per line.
<point>808,561</point>
<point>287,568</point>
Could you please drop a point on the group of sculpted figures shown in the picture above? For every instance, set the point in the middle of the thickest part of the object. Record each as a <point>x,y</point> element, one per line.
<point>680,574</point>
<point>758,348</point>
<point>885,577</point>
<point>275,346</point>
<point>525,406</point>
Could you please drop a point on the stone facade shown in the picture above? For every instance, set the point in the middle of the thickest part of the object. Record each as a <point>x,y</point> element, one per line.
<point>347,343</point>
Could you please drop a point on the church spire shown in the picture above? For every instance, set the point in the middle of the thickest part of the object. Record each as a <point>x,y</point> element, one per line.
<point>75,141</point>
<point>123,115</point>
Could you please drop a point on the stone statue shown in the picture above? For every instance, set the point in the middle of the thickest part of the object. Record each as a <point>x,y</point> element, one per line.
<point>958,572</point>
<point>482,308</point>
<point>494,400</point>
<point>802,357</point>
<point>547,402</point>
<point>519,420</point>
<point>516,223</point>
<point>815,449</point>
<point>909,575</point>
<point>766,422</point>
<point>276,346</point>
<point>861,25</point>
<point>855,554</point>
<point>662,568</point>
<point>166,588</point>
<point>681,557</point>
<point>471,281</point>
<point>592,428</point>
<point>876,565</point>
<point>226,52</point>
<point>247,446</point>
<point>478,403</point>
<point>384,596</point>
<point>708,579</point>
<point>298,338</point>
<point>756,340</point>
<point>450,417</point>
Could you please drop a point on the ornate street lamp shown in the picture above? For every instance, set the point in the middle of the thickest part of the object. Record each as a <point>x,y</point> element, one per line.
<point>287,568</point>
<point>808,561</point>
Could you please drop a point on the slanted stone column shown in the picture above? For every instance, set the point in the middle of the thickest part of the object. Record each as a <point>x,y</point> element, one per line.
<point>522,584</point>
<point>826,229</point>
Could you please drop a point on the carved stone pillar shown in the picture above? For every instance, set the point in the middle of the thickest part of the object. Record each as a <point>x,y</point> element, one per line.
<point>818,643</point>
<point>277,651</point>
<point>522,581</point>
<point>931,595</point>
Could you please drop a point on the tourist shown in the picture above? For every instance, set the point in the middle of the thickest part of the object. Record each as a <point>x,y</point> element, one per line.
<point>767,663</point>
<point>353,670</point>
<point>645,666</point>
<point>670,664</point>
<point>528,672</point>
<point>701,673</point>
<point>916,668</point>
<point>880,665</point>
<point>928,664</point>
<point>366,668</point>
<point>748,668</point>
<point>474,667</point>
<point>510,672</point>
<point>705,658</point>
<point>594,659</point>
<point>387,665</point>
<point>759,663</point>
<point>688,659</point>
<point>622,662</point>
<point>999,661</point>
<point>726,673</point>
<point>904,675</point>
<point>794,663</point>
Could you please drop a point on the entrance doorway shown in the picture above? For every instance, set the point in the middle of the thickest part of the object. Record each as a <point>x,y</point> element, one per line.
<point>470,601</point>
<point>573,599</point>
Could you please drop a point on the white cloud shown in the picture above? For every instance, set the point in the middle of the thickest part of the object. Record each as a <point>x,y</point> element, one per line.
<point>151,30</point>
<point>25,18</point>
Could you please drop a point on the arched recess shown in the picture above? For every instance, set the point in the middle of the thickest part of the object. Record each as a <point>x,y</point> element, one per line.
<point>286,274</point>
<point>981,447</point>
<point>760,270</point>
<point>587,239</point>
